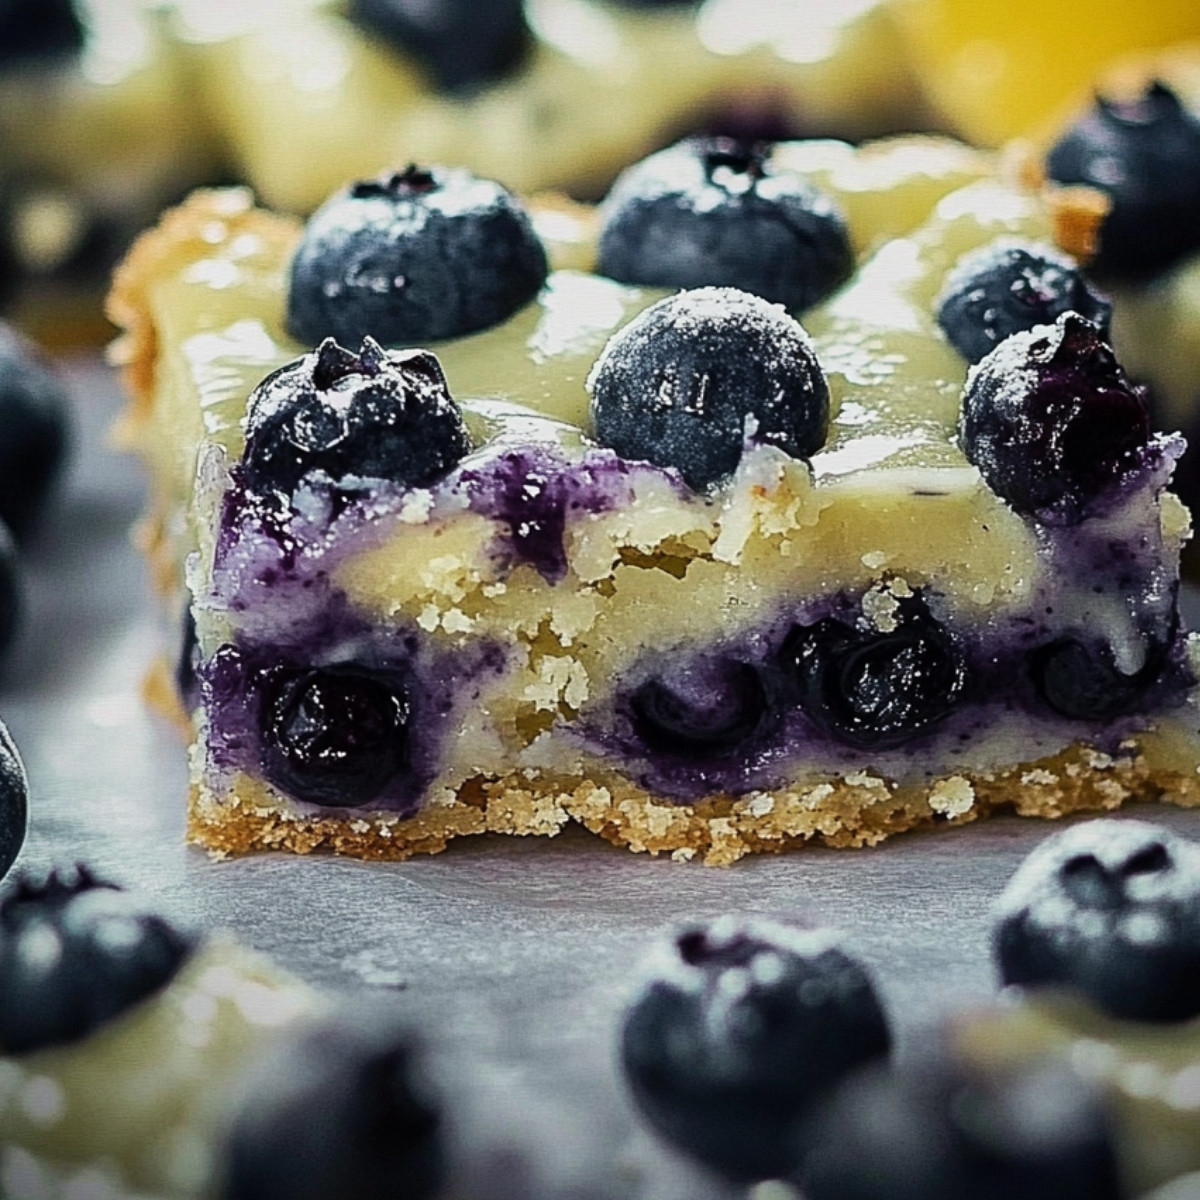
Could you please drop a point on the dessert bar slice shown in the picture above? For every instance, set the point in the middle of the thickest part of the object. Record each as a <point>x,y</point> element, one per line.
<point>666,563</point>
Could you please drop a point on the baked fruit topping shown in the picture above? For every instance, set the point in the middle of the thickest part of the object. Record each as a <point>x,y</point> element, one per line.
<point>1109,910</point>
<point>695,378</point>
<point>75,953</point>
<point>34,419</point>
<point>941,1131</point>
<point>740,1028</point>
<point>349,417</point>
<point>1053,423</point>
<point>1144,153</point>
<point>334,736</point>
<point>716,212</point>
<point>413,257</point>
<point>342,1111</point>
<point>14,801</point>
<point>871,687</point>
<point>1008,288</point>
<point>702,711</point>
<point>461,43</point>
<point>38,30</point>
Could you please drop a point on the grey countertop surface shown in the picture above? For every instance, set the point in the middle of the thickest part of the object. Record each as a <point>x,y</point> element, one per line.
<point>516,955</point>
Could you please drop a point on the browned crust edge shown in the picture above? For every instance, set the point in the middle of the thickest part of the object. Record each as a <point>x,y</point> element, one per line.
<point>860,810</point>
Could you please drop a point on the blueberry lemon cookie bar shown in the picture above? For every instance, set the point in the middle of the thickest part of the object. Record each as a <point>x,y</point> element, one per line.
<point>125,1040</point>
<point>475,544</point>
<point>541,94</point>
<point>98,129</point>
<point>1097,939</point>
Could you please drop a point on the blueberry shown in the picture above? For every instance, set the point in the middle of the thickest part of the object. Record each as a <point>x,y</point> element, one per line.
<point>376,414</point>
<point>335,735</point>
<point>713,212</point>
<point>38,30</point>
<point>12,590</point>
<point>1004,288</point>
<point>939,1131</point>
<point>742,1025</point>
<point>33,432</point>
<point>345,1112</point>
<point>413,257</point>
<point>75,953</point>
<point>1052,422</point>
<point>461,43</point>
<point>1145,154</point>
<point>692,378</point>
<point>14,801</point>
<point>1078,678</point>
<point>701,712</point>
<point>875,688</point>
<point>1109,909</point>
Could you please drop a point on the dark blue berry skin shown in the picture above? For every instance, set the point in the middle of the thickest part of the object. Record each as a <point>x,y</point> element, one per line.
<point>38,30</point>
<point>463,44</point>
<point>1110,910</point>
<point>343,1113</point>
<point>374,415</point>
<point>14,801</point>
<point>875,689</point>
<point>689,380</point>
<point>1144,154</point>
<point>1006,289</point>
<point>412,258</point>
<point>941,1132</point>
<point>702,714</point>
<point>713,212</point>
<point>334,736</point>
<point>112,952</point>
<point>34,435</point>
<point>1078,678</point>
<point>12,590</point>
<point>1052,421</point>
<point>741,1028</point>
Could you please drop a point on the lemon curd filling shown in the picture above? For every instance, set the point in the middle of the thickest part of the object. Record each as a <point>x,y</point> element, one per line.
<point>547,609</point>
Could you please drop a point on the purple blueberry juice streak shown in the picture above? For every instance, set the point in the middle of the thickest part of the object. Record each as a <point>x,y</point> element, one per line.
<point>533,494</point>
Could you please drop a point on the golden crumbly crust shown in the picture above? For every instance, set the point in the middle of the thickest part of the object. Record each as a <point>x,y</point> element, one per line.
<point>860,809</point>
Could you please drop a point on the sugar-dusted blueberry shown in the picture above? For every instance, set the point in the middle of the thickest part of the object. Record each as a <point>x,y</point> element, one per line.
<point>461,43</point>
<point>741,1025</point>
<point>76,953</point>
<point>875,687</point>
<point>376,414</point>
<point>937,1130</point>
<point>411,258</point>
<point>1053,422</point>
<point>714,212</point>
<point>14,801</point>
<point>34,437</point>
<point>1008,287</point>
<point>1078,677</point>
<point>1144,153</point>
<point>345,1111</point>
<point>334,735</point>
<point>39,30</point>
<point>694,378</point>
<point>1109,909</point>
<point>701,710</point>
